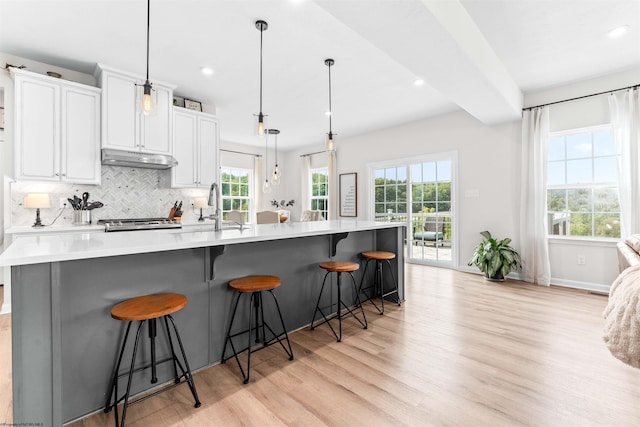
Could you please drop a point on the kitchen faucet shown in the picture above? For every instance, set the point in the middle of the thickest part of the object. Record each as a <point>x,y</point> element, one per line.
<point>218,215</point>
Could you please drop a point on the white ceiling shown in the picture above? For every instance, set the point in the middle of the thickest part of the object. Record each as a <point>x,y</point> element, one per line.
<point>476,55</point>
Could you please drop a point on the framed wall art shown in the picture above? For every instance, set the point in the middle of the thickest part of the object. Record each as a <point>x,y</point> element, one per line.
<point>192,105</point>
<point>348,194</point>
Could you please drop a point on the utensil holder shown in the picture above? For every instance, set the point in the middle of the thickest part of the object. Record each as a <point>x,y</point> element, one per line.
<point>81,217</point>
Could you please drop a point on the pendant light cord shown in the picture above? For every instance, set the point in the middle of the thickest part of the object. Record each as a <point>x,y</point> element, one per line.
<point>261,31</point>
<point>330,110</point>
<point>148,24</point>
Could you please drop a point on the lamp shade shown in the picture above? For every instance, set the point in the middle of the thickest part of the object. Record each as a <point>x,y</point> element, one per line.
<point>37,201</point>
<point>200,202</point>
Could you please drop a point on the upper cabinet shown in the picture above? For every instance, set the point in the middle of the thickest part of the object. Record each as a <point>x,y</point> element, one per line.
<point>57,133</point>
<point>124,127</point>
<point>196,139</point>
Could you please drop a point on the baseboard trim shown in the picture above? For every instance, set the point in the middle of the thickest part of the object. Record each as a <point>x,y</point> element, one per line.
<point>586,286</point>
<point>574,284</point>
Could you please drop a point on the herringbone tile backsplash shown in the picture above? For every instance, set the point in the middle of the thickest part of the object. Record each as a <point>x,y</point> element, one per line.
<point>126,193</point>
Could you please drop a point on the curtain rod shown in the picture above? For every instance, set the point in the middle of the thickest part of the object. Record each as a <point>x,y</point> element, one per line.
<point>581,97</point>
<point>311,154</point>
<point>241,152</point>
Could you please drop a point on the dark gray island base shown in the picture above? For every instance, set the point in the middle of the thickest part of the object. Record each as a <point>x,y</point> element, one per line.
<point>65,341</point>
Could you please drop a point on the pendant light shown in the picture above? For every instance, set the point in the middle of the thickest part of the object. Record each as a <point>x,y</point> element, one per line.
<point>330,145</point>
<point>147,102</point>
<point>275,178</point>
<point>261,26</point>
<point>266,187</point>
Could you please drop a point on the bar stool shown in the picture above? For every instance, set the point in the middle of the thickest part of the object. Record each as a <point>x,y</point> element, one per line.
<point>148,308</point>
<point>379,257</point>
<point>255,285</point>
<point>339,267</point>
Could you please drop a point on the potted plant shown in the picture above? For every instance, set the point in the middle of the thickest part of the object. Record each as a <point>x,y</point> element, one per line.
<point>495,258</point>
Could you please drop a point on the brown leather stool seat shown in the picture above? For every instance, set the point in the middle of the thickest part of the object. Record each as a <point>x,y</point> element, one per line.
<point>339,268</point>
<point>255,285</point>
<point>380,257</point>
<point>149,308</point>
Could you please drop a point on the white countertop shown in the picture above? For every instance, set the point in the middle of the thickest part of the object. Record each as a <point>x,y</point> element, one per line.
<point>90,244</point>
<point>28,230</point>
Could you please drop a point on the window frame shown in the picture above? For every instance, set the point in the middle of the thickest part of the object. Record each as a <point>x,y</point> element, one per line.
<point>323,170</point>
<point>451,156</point>
<point>592,186</point>
<point>248,198</point>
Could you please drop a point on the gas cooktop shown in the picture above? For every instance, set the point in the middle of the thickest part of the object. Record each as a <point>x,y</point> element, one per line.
<point>132,224</point>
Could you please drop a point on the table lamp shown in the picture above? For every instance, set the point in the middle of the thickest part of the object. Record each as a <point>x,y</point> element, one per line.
<point>200,203</point>
<point>37,201</point>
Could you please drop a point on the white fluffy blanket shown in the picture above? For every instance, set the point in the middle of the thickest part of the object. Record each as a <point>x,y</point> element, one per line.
<point>622,317</point>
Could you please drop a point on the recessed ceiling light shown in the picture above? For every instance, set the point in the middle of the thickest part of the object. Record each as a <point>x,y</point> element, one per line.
<point>617,32</point>
<point>418,82</point>
<point>327,113</point>
<point>207,71</point>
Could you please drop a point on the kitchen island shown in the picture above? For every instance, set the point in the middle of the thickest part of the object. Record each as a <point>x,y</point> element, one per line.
<point>64,341</point>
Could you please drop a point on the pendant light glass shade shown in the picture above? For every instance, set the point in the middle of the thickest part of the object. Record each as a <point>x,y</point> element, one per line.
<point>266,187</point>
<point>275,177</point>
<point>261,125</point>
<point>330,136</point>
<point>329,142</point>
<point>147,102</point>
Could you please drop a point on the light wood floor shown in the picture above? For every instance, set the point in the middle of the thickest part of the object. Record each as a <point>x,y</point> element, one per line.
<point>459,352</point>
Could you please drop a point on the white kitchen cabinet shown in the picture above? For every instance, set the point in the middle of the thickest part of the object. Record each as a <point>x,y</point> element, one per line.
<point>57,133</point>
<point>124,127</point>
<point>196,148</point>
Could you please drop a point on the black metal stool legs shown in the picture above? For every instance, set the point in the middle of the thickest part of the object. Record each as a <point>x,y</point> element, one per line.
<point>185,371</point>
<point>340,306</point>
<point>286,335</point>
<point>256,324</point>
<point>114,389</point>
<point>114,378</point>
<point>378,284</point>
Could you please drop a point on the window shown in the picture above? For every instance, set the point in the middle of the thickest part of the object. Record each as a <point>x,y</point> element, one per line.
<point>320,191</point>
<point>391,193</point>
<point>582,183</point>
<point>236,190</point>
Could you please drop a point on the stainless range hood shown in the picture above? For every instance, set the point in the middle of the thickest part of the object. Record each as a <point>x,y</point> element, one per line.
<point>137,160</point>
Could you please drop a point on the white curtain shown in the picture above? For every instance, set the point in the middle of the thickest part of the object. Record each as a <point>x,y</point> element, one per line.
<point>534,248</point>
<point>305,185</point>
<point>333,186</point>
<point>624,109</point>
<point>257,186</point>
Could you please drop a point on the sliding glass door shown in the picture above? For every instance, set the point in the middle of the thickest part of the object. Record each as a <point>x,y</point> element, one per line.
<point>420,193</point>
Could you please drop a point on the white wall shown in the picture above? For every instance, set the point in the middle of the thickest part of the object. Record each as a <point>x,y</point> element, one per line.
<point>488,161</point>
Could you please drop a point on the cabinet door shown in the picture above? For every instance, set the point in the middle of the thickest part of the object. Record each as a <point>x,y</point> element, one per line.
<point>119,113</point>
<point>156,130</point>
<point>184,131</point>
<point>37,134</point>
<point>208,151</point>
<point>80,145</point>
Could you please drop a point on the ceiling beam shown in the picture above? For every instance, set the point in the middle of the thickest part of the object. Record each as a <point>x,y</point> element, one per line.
<point>439,42</point>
